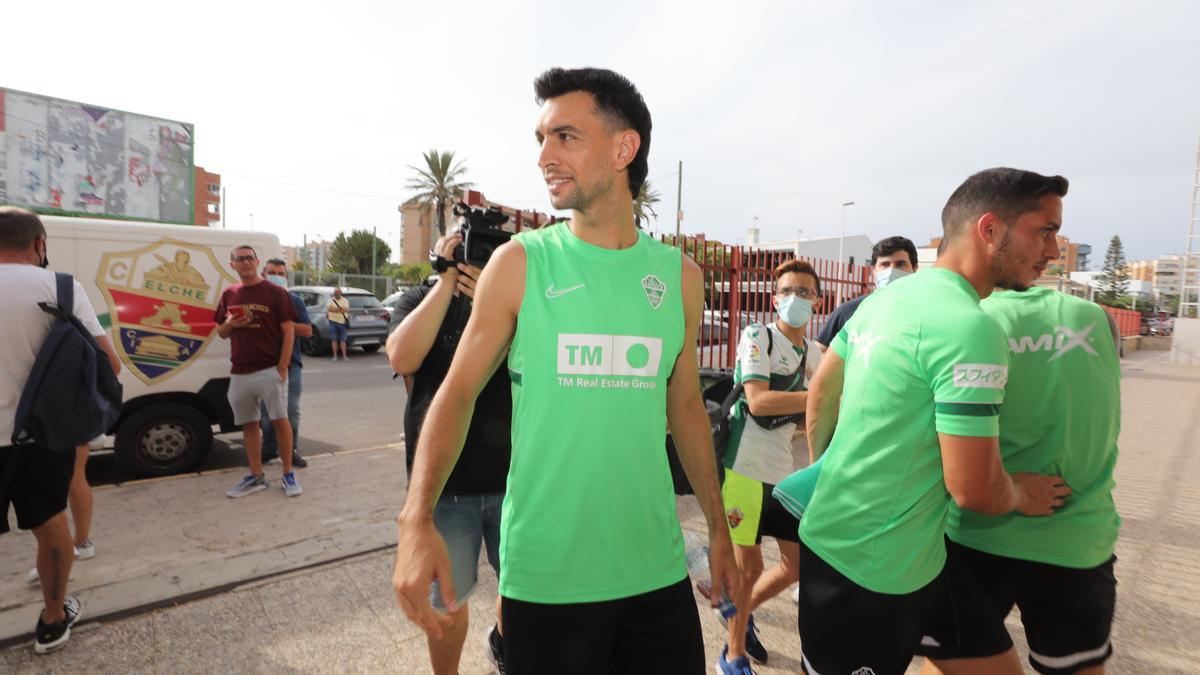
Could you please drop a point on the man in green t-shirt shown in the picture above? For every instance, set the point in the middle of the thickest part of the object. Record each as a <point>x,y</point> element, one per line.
<point>599,322</point>
<point>1061,414</point>
<point>920,372</point>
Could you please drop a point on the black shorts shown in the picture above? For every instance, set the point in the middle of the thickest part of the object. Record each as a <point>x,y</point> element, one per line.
<point>845,627</point>
<point>655,632</point>
<point>752,511</point>
<point>1067,612</point>
<point>36,482</point>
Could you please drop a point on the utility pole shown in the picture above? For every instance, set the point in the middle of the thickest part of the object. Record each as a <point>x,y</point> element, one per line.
<point>374,238</point>
<point>679,206</point>
<point>304,257</point>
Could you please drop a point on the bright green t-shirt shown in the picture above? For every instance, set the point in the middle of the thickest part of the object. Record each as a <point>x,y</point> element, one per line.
<point>921,358</point>
<point>1061,416</point>
<point>589,512</point>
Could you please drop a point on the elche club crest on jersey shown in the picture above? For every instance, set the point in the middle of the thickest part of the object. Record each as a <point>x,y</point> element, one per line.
<point>655,290</point>
<point>161,300</point>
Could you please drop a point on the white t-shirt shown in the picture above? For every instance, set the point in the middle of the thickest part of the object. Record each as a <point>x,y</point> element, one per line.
<point>23,329</point>
<point>766,454</point>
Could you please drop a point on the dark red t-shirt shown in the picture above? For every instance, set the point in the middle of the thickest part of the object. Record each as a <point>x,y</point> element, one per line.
<point>257,346</point>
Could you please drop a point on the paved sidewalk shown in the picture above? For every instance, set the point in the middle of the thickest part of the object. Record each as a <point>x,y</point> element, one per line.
<point>168,538</point>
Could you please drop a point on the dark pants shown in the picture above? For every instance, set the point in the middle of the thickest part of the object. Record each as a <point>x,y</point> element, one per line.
<point>36,482</point>
<point>656,632</point>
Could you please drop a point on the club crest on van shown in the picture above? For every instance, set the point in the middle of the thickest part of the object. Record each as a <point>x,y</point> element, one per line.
<point>161,299</point>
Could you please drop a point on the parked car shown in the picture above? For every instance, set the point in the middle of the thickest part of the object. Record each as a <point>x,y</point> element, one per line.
<point>369,319</point>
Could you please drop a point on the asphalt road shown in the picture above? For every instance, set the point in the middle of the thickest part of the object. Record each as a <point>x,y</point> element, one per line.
<point>346,405</point>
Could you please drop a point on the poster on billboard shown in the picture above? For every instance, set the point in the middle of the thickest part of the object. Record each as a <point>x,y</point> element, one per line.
<point>71,158</point>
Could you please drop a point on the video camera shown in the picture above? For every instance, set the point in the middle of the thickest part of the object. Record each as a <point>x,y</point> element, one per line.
<point>481,234</point>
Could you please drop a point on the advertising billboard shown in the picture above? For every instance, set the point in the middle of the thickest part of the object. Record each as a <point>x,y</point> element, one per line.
<point>72,158</point>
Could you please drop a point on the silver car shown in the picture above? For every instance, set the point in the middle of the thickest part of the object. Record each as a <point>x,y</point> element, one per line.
<point>369,319</point>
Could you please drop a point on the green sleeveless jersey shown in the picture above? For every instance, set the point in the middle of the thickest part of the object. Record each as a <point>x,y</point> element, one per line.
<point>589,512</point>
<point>1061,415</point>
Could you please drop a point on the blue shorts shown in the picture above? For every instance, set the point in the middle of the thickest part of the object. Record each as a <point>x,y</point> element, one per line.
<point>337,332</point>
<point>465,522</point>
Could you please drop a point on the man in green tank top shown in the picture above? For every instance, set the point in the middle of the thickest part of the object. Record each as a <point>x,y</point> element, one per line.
<point>1061,414</point>
<point>920,372</point>
<point>599,322</point>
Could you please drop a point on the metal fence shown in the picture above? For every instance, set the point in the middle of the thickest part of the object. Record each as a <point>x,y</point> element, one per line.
<point>739,285</point>
<point>379,286</point>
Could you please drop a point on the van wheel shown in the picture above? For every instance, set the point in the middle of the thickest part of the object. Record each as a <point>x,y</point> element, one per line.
<point>371,349</point>
<point>314,346</point>
<point>163,439</point>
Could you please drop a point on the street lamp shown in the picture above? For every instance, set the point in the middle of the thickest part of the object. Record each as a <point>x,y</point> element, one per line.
<point>842,238</point>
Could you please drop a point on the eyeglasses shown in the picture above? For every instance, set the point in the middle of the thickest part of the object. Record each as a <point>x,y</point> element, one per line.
<point>799,291</point>
<point>243,258</point>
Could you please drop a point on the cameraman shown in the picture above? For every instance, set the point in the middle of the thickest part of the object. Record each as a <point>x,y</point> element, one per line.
<point>431,319</point>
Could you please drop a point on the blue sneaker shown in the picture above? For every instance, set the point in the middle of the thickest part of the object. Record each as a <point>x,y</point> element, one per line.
<point>739,666</point>
<point>290,487</point>
<point>249,485</point>
<point>754,648</point>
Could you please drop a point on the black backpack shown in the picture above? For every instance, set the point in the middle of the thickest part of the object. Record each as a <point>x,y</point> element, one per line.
<point>72,394</point>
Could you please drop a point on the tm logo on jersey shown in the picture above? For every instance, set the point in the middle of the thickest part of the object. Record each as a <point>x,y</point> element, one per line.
<point>1062,340</point>
<point>601,355</point>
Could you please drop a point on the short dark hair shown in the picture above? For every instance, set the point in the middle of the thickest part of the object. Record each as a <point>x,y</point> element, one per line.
<point>276,261</point>
<point>1008,193</point>
<point>19,228</point>
<point>238,248</point>
<point>617,100</point>
<point>892,245</point>
<point>798,266</point>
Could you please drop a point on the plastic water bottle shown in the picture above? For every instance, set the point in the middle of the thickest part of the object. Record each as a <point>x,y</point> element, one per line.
<point>697,564</point>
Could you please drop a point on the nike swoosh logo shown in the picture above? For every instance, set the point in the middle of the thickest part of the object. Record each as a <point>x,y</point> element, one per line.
<point>551,293</point>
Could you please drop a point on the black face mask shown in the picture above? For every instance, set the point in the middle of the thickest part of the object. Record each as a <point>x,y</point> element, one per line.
<point>45,258</point>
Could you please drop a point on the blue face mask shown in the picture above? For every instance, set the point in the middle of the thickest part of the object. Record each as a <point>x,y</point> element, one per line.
<point>795,311</point>
<point>888,276</point>
<point>277,280</point>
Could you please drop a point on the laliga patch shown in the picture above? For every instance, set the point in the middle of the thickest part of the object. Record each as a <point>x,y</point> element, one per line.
<point>655,290</point>
<point>980,375</point>
<point>734,516</point>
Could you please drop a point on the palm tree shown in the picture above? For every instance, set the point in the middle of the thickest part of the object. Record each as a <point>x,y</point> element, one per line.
<point>643,204</point>
<point>437,183</point>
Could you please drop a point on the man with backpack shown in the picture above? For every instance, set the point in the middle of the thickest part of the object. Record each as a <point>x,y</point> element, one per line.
<point>34,478</point>
<point>775,362</point>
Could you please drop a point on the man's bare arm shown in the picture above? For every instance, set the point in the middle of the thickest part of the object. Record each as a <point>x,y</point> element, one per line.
<point>763,401</point>
<point>824,395</point>
<point>976,479</point>
<point>689,426</point>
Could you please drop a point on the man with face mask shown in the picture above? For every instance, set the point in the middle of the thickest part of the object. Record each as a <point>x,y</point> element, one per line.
<point>774,364</point>
<point>891,259</point>
<point>275,272</point>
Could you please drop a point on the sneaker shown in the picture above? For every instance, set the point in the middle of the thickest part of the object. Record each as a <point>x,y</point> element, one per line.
<point>298,461</point>
<point>51,637</point>
<point>290,487</point>
<point>495,649</point>
<point>739,666</point>
<point>249,485</point>
<point>267,459</point>
<point>85,551</point>
<point>31,577</point>
<point>754,648</point>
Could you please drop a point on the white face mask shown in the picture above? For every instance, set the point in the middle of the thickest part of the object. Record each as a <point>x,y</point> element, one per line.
<point>277,280</point>
<point>795,311</point>
<point>888,276</point>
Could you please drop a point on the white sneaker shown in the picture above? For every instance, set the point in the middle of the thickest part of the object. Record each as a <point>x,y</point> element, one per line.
<point>31,577</point>
<point>86,551</point>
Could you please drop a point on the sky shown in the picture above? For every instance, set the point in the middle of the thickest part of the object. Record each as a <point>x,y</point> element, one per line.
<point>780,111</point>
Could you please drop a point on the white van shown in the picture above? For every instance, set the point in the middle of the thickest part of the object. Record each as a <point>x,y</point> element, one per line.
<point>155,288</point>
